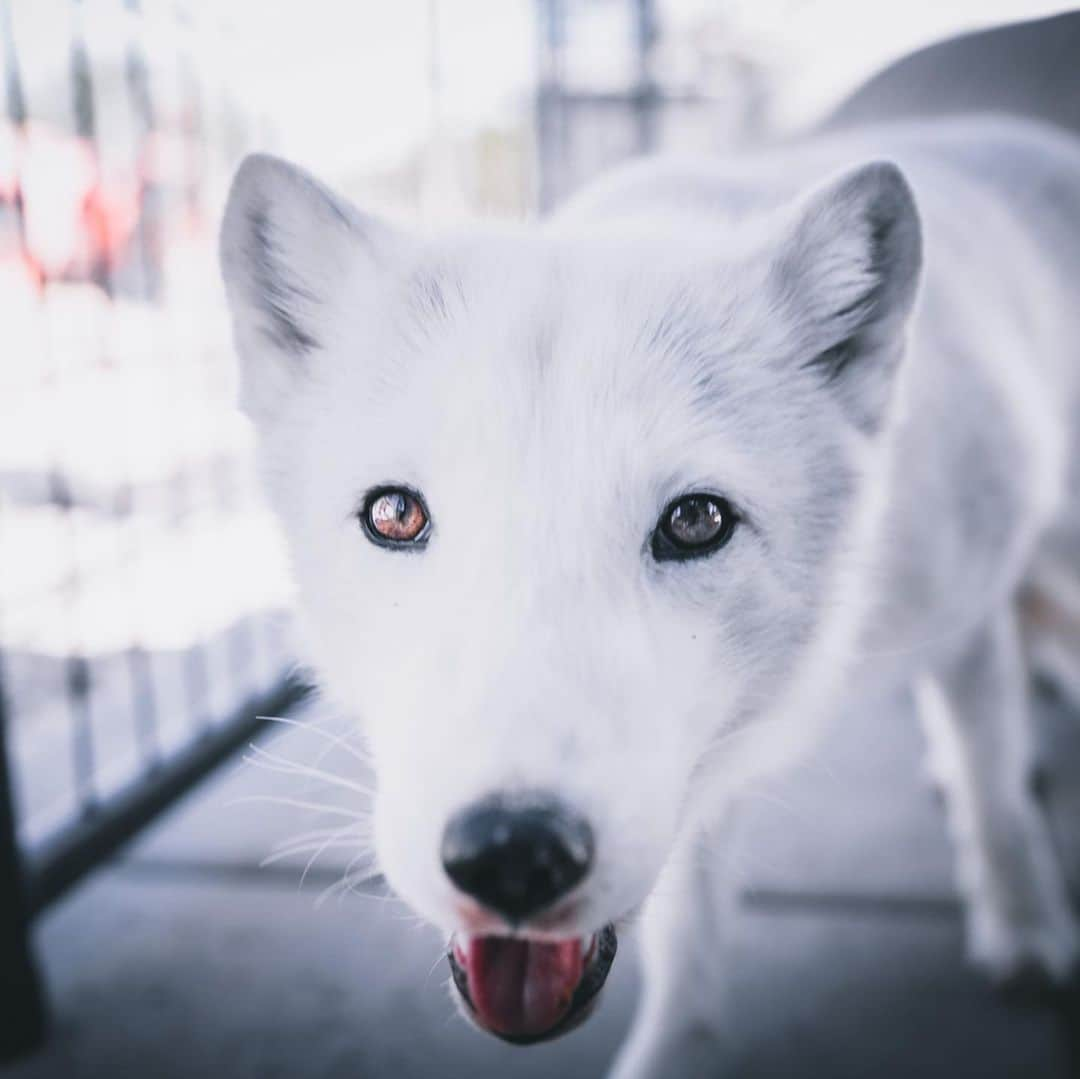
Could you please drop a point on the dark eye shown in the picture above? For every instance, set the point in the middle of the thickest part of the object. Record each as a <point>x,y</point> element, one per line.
<point>692,526</point>
<point>395,517</point>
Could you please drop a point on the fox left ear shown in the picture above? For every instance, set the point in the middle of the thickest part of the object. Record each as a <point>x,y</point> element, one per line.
<point>288,248</point>
<point>848,274</point>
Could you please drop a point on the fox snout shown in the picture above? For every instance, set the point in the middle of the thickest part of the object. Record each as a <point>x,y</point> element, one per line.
<point>517,855</point>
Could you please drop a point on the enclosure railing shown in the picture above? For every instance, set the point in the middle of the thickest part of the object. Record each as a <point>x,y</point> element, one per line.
<point>140,591</point>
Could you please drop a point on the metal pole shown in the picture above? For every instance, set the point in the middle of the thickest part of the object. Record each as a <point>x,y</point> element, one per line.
<point>645,92</point>
<point>22,1017</point>
<point>550,103</point>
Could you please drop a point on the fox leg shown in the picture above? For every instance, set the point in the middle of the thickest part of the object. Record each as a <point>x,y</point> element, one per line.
<point>975,709</point>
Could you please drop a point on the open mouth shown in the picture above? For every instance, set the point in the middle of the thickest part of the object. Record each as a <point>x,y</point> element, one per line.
<point>525,990</point>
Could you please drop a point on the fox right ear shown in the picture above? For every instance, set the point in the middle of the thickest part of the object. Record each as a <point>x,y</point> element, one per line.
<point>849,273</point>
<point>288,246</point>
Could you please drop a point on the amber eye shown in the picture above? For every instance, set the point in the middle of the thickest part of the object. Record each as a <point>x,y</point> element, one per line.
<point>692,526</point>
<point>395,517</point>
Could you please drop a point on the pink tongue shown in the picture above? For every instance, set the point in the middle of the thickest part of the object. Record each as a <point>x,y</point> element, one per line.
<point>522,987</point>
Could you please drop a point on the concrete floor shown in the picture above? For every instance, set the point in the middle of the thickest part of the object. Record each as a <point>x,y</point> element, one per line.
<point>185,958</point>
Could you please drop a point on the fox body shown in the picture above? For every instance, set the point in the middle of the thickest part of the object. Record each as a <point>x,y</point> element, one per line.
<point>861,350</point>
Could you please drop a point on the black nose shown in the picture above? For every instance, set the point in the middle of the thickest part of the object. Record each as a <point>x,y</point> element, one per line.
<point>516,855</point>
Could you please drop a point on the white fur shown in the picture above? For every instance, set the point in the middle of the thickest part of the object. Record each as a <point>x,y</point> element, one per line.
<point>551,388</point>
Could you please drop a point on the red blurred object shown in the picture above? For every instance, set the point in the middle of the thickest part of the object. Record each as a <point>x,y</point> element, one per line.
<point>74,225</point>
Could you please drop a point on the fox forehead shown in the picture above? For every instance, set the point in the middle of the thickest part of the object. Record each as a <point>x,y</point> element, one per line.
<point>580,361</point>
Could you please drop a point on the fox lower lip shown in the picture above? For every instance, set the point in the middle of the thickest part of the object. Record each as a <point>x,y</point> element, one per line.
<point>525,990</point>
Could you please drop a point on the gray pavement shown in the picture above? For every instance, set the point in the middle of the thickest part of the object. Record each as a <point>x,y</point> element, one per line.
<point>185,958</point>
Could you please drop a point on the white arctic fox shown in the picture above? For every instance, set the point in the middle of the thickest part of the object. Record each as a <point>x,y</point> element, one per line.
<point>596,518</point>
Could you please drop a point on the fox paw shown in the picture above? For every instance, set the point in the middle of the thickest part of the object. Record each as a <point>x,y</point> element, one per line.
<point>1022,954</point>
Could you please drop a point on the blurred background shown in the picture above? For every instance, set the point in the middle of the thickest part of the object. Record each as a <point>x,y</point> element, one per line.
<point>143,595</point>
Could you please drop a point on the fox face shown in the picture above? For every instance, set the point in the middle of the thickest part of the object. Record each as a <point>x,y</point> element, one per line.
<point>572,513</point>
